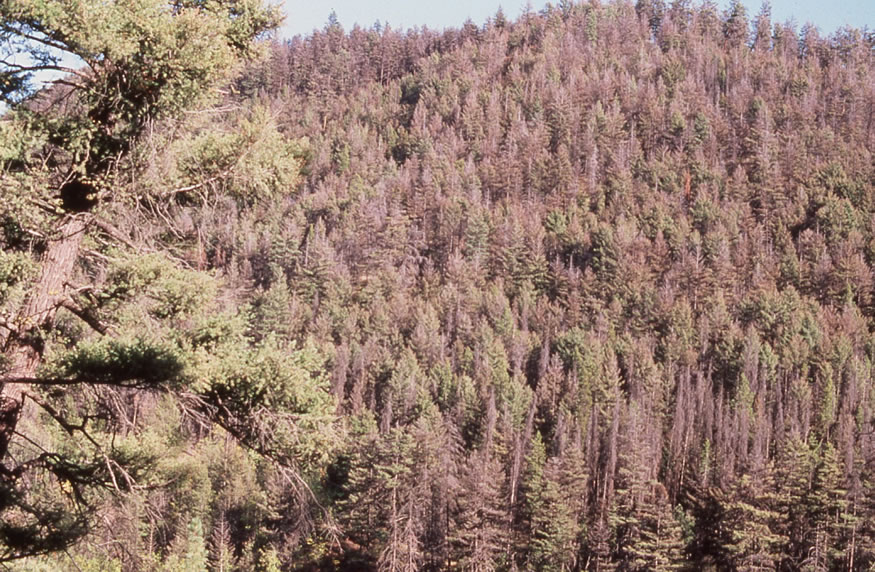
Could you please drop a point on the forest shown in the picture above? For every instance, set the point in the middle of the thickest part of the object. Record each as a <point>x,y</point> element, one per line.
<point>591,289</point>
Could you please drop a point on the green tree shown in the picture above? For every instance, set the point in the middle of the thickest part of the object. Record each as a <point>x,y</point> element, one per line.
<point>140,62</point>
<point>478,534</point>
<point>389,491</point>
<point>752,524</point>
<point>827,507</point>
<point>647,534</point>
<point>553,524</point>
<point>71,153</point>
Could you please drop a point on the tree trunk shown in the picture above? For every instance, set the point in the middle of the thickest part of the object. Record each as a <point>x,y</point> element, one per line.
<point>24,347</point>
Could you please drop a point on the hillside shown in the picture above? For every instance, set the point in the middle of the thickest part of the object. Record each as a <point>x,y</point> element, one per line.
<point>589,290</point>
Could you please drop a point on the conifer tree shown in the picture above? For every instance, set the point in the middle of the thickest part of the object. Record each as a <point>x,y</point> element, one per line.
<point>72,155</point>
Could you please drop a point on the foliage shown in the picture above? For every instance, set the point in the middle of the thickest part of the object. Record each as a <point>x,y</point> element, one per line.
<point>591,289</point>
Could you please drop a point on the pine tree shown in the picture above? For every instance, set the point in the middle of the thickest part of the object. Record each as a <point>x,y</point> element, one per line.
<point>827,507</point>
<point>754,537</point>
<point>554,529</point>
<point>478,531</point>
<point>73,157</point>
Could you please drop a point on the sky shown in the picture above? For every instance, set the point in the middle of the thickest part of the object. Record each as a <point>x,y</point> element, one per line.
<point>305,15</point>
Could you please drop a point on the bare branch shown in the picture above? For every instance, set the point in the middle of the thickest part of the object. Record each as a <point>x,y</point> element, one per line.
<point>68,381</point>
<point>113,233</point>
<point>17,68</point>
<point>59,419</point>
<point>199,185</point>
<point>84,314</point>
<point>39,39</point>
<point>6,324</point>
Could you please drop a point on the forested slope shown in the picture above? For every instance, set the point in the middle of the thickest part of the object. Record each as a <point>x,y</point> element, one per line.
<point>599,286</point>
<point>592,289</point>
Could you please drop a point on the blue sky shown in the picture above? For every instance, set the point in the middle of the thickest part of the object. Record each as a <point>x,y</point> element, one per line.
<point>305,15</point>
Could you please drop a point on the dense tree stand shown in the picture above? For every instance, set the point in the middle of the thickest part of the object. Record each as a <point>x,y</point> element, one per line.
<point>591,289</point>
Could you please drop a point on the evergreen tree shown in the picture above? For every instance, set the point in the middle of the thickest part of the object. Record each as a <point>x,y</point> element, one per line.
<point>478,532</point>
<point>72,155</point>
